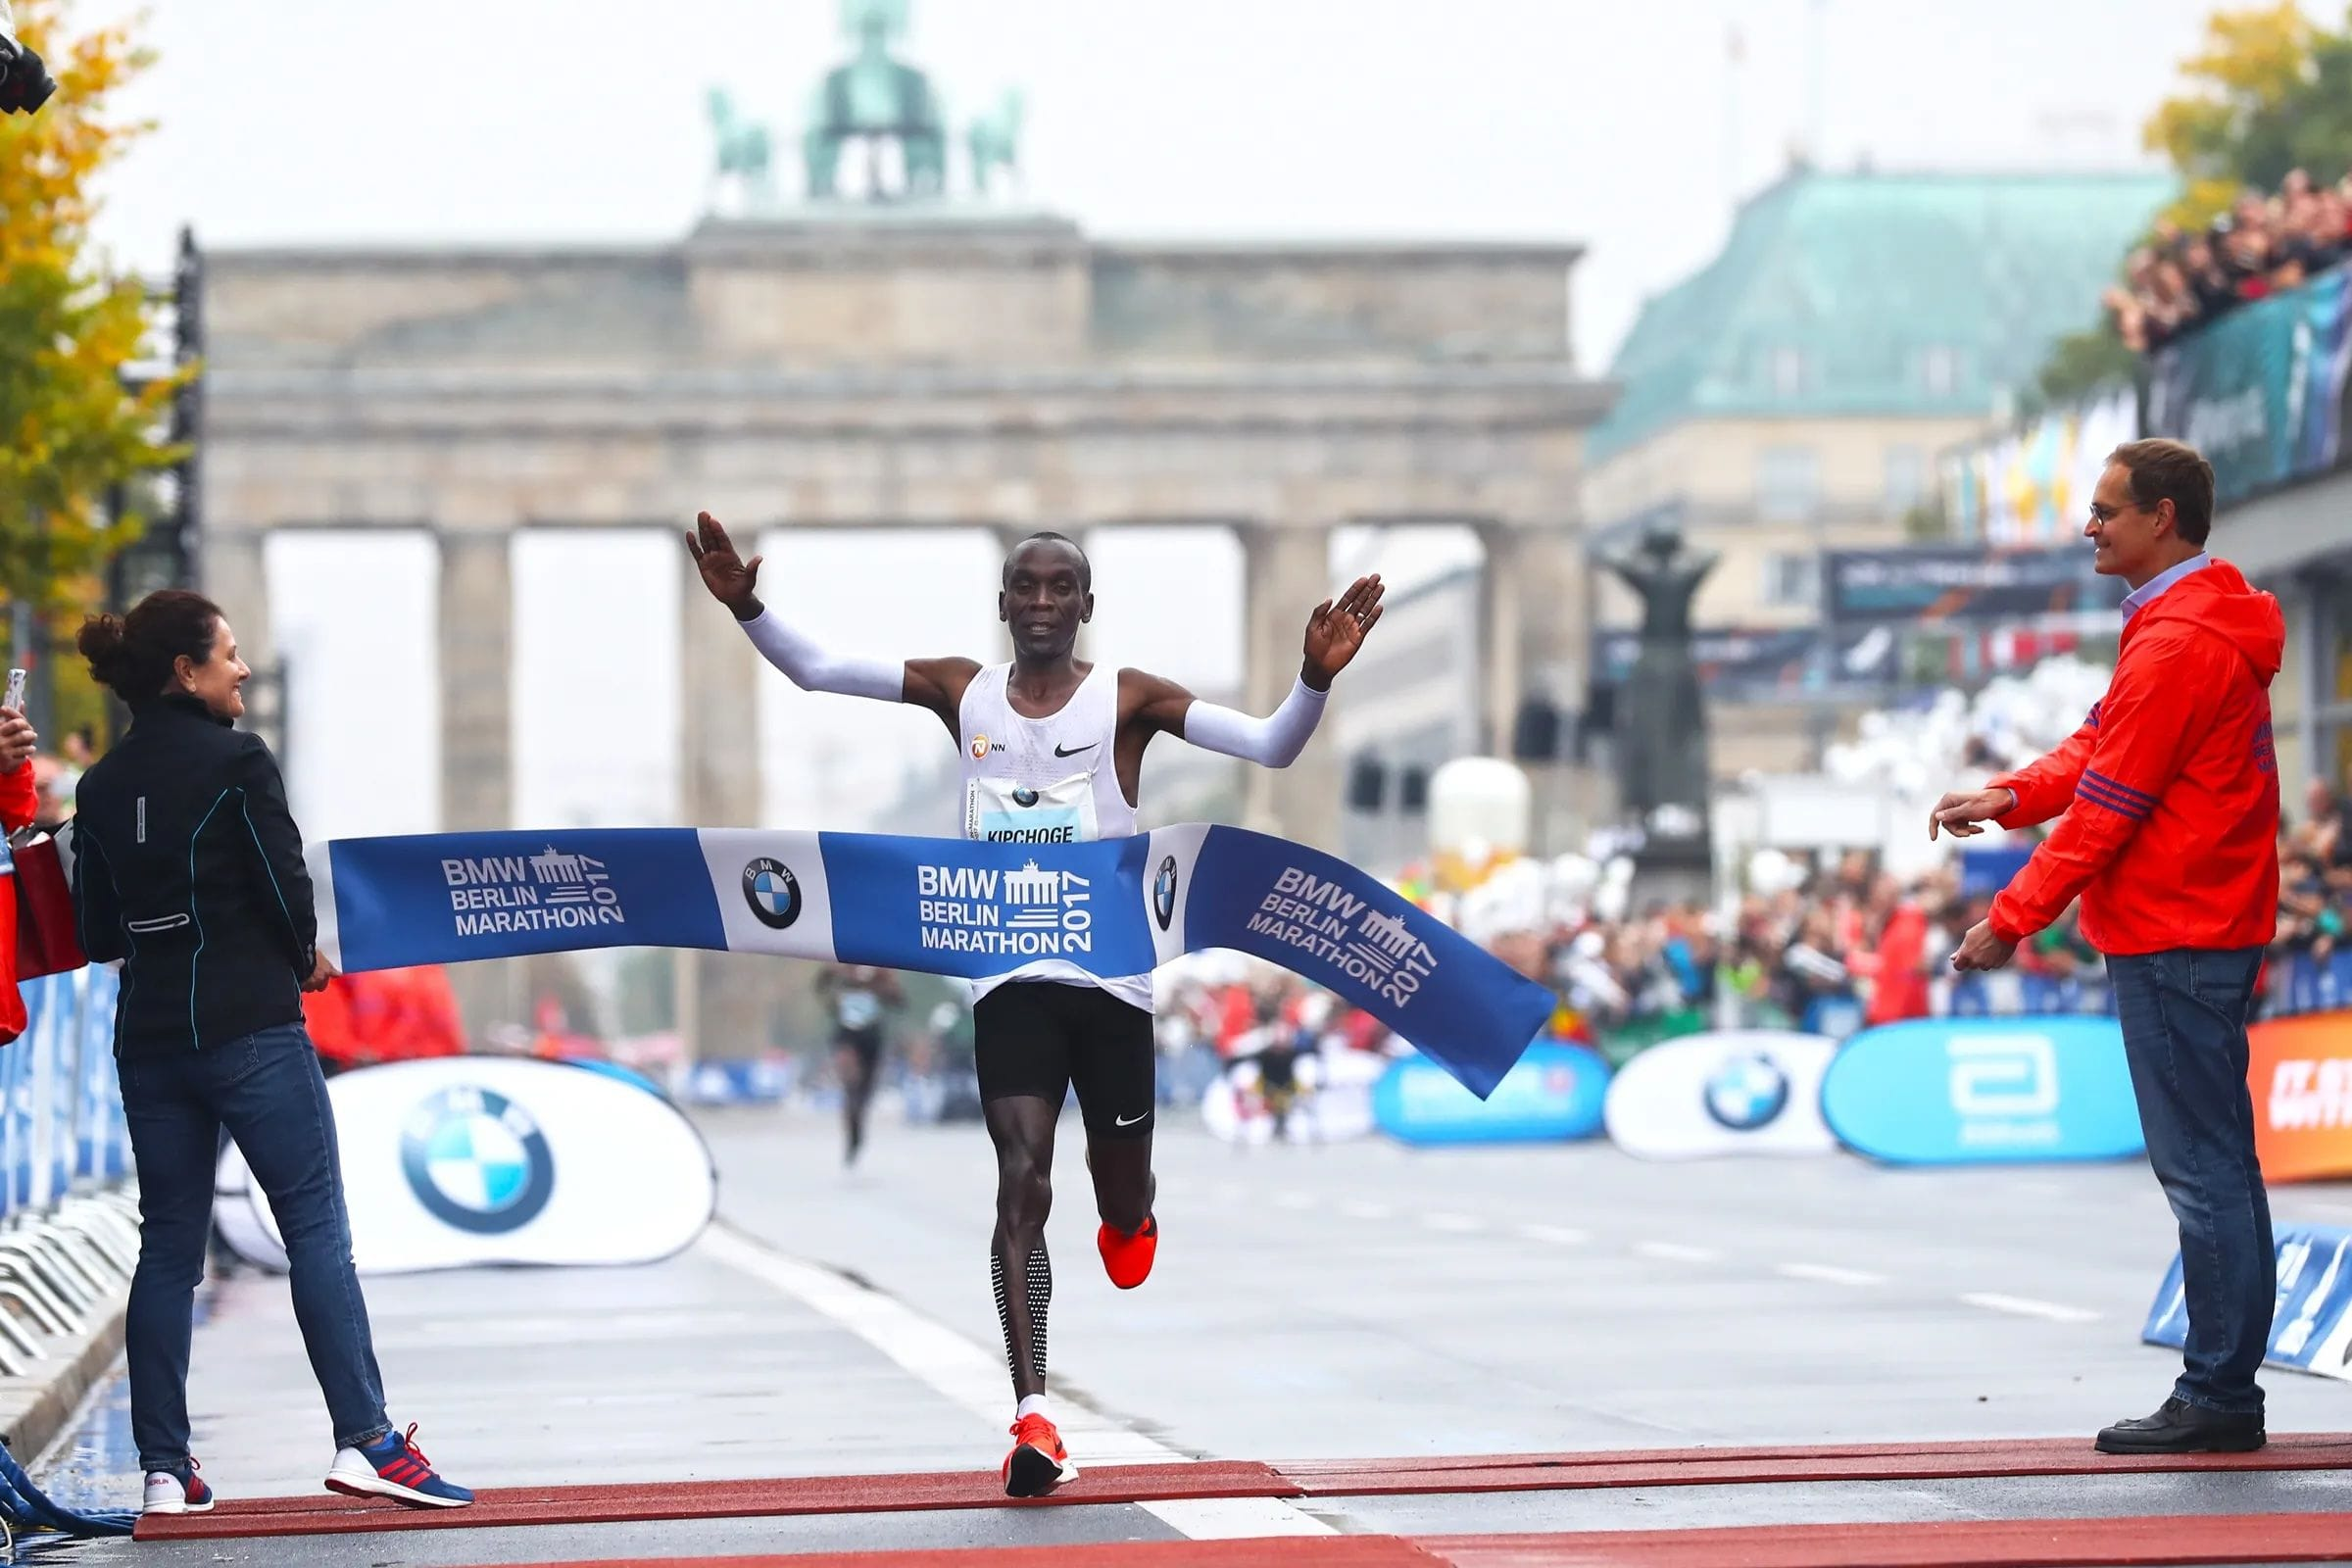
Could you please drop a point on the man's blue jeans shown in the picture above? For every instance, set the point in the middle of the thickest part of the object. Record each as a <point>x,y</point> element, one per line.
<point>2183,1014</point>
<point>266,1092</point>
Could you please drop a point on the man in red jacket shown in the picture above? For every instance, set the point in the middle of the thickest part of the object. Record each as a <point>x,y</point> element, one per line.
<point>2169,832</point>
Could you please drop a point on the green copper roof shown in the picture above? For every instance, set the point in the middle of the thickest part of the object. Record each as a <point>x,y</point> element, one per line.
<point>1878,293</point>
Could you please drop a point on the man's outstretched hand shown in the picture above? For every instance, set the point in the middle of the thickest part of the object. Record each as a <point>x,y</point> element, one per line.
<point>732,581</point>
<point>1336,630</point>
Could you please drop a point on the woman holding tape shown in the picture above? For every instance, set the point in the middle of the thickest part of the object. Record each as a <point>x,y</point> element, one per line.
<point>187,867</point>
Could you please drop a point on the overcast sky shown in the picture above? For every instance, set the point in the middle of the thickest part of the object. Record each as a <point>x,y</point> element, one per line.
<point>1631,128</point>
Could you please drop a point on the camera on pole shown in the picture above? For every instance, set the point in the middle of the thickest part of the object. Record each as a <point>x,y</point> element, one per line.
<point>24,83</point>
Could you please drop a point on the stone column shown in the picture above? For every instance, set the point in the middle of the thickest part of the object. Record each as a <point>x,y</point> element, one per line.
<point>477,735</point>
<point>1285,571</point>
<point>724,998</point>
<point>237,578</point>
<point>1501,658</point>
<point>1536,642</point>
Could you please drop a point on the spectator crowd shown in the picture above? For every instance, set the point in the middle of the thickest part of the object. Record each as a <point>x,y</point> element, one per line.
<point>2182,279</point>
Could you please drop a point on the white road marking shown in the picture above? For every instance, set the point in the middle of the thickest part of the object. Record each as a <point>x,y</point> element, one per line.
<point>1357,1209</point>
<point>1677,1252</point>
<point>1453,1224</point>
<point>1557,1235</point>
<point>973,1377</point>
<point>1827,1274</point>
<point>2027,1306</point>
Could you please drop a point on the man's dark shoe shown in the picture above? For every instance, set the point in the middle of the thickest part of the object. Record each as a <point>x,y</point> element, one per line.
<point>2179,1427</point>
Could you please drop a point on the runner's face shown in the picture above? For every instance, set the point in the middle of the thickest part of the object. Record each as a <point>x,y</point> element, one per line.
<point>1043,601</point>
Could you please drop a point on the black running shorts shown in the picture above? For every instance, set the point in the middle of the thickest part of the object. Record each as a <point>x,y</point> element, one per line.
<point>1035,1037</point>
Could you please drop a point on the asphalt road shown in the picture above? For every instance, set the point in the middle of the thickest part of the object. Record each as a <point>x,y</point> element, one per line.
<point>1357,1299</point>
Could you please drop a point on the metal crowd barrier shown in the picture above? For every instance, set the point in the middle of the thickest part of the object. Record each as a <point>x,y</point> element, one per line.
<point>69,1230</point>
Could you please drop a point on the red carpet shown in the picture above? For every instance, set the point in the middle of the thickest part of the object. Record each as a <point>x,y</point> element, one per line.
<point>324,1513</point>
<point>1969,1544</point>
<point>328,1514</point>
<point>1972,1544</point>
<point>1877,1461</point>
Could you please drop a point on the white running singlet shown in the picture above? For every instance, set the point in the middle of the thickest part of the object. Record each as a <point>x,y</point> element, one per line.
<point>1049,780</point>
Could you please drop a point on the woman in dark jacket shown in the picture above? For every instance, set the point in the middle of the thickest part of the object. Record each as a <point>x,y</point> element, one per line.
<point>187,866</point>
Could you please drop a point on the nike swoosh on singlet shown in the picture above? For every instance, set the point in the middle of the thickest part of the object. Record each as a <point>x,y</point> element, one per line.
<point>1124,1121</point>
<point>1075,749</point>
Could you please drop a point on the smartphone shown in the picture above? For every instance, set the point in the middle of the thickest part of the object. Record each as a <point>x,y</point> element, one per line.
<point>16,692</point>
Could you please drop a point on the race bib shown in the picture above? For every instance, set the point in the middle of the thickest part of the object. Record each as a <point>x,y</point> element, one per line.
<point>860,1010</point>
<point>1000,811</point>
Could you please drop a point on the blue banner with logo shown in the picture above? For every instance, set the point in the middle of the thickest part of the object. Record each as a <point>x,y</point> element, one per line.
<point>2261,390</point>
<point>2311,1317</point>
<point>1965,1091</point>
<point>947,906</point>
<point>1555,1093</point>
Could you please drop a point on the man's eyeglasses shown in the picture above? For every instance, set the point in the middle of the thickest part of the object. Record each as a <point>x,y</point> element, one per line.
<point>2103,515</point>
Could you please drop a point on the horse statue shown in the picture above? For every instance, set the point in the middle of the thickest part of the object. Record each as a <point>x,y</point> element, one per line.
<point>994,140</point>
<point>743,153</point>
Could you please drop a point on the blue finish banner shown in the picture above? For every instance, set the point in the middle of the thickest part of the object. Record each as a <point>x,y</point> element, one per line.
<point>2311,1318</point>
<point>1555,1093</point>
<point>946,906</point>
<point>1964,1091</point>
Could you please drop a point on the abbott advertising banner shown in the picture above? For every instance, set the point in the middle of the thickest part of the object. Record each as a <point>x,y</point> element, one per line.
<point>468,1160</point>
<point>1555,1093</point>
<point>2300,1073</point>
<point>1963,1091</point>
<point>1742,1091</point>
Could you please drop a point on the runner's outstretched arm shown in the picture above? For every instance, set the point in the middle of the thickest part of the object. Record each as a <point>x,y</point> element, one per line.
<point>936,684</point>
<point>1333,633</point>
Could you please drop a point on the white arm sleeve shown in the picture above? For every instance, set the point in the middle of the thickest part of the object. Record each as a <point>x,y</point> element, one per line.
<point>812,669</point>
<point>1275,741</point>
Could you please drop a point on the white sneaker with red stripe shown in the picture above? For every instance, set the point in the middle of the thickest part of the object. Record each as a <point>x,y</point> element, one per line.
<point>393,1466</point>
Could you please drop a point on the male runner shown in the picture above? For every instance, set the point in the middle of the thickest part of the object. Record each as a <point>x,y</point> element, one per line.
<point>858,994</point>
<point>1053,749</point>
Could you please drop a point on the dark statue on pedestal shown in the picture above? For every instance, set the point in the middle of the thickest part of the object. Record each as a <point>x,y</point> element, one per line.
<point>1661,723</point>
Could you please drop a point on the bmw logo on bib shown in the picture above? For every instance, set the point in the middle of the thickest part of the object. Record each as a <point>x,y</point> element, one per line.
<point>1746,1092</point>
<point>1163,892</point>
<point>773,892</point>
<point>1024,796</point>
<point>477,1161</point>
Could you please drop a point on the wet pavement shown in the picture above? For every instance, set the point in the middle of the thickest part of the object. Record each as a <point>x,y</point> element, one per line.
<point>1350,1301</point>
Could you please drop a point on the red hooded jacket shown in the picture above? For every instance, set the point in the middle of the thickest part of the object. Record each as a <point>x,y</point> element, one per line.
<point>2170,789</point>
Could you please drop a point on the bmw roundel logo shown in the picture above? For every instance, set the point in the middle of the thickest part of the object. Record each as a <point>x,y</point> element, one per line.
<point>1746,1092</point>
<point>1024,796</point>
<point>476,1160</point>
<point>1163,892</point>
<point>773,892</point>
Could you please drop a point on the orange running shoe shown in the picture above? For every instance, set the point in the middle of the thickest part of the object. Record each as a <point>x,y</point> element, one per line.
<point>1126,1258</point>
<point>1037,1462</point>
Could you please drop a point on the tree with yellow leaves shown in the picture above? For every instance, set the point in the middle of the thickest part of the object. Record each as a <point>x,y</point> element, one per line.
<point>2269,92</point>
<point>73,431</point>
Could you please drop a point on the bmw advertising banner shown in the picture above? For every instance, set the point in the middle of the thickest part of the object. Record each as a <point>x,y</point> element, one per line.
<point>1555,1093</point>
<point>947,906</point>
<point>2311,1317</point>
<point>460,1161</point>
<point>1970,1091</point>
<point>1739,1092</point>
